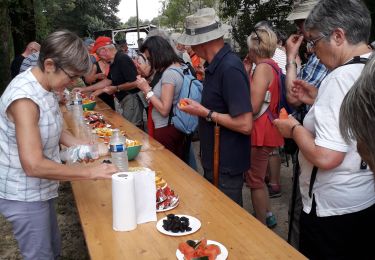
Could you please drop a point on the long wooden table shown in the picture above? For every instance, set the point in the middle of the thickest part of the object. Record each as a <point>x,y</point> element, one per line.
<point>222,220</point>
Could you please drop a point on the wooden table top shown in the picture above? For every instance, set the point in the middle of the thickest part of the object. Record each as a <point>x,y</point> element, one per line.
<point>222,220</point>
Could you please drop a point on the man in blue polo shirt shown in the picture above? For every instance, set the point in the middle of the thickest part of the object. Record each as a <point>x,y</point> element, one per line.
<point>225,102</point>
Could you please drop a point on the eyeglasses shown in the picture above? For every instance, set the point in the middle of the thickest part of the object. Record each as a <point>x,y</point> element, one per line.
<point>312,43</point>
<point>71,77</point>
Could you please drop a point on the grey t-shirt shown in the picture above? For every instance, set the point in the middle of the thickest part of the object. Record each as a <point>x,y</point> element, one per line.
<point>175,78</point>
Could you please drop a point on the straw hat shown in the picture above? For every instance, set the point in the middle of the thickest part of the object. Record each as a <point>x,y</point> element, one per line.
<point>301,9</point>
<point>201,27</point>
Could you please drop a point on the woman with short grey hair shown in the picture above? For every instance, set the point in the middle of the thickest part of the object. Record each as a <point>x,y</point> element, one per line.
<point>30,134</point>
<point>337,188</point>
<point>357,114</point>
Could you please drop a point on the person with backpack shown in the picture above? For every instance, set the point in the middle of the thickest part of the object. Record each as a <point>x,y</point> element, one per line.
<point>265,98</point>
<point>225,114</point>
<point>337,188</point>
<point>164,96</point>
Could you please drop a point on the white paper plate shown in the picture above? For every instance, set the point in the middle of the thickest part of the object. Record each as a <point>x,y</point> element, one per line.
<point>195,225</point>
<point>169,208</point>
<point>223,255</point>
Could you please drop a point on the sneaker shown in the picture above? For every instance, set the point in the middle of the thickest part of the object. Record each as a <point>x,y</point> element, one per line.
<point>274,193</point>
<point>271,221</point>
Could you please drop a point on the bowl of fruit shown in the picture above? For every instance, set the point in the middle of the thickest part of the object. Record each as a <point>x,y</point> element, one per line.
<point>88,104</point>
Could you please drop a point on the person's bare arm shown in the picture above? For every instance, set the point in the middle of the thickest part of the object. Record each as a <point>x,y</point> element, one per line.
<point>67,139</point>
<point>90,77</point>
<point>162,104</point>
<point>99,85</point>
<point>292,46</point>
<point>319,156</point>
<point>29,144</point>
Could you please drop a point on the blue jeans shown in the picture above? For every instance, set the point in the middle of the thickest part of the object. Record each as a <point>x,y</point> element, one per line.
<point>35,227</point>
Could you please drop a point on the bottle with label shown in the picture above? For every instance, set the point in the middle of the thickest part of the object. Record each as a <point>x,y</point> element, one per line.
<point>119,153</point>
<point>77,106</point>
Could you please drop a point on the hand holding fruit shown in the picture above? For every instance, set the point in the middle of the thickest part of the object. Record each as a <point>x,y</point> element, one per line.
<point>285,126</point>
<point>192,107</point>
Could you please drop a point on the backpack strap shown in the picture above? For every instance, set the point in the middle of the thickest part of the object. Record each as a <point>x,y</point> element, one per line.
<point>363,166</point>
<point>265,105</point>
<point>180,71</point>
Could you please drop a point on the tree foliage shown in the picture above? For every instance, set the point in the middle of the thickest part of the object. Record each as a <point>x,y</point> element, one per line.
<point>22,21</point>
<point>246,13</point>
<point>132,22</point>
<point>175,11</point>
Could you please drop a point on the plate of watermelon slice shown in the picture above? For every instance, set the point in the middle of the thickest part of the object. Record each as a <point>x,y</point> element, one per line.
<point>204,249</point>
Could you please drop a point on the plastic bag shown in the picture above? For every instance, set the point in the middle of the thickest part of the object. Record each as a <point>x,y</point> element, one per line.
<point>79,153</point>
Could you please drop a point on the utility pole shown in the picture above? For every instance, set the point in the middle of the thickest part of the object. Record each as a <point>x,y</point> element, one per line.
<point>136,7</point>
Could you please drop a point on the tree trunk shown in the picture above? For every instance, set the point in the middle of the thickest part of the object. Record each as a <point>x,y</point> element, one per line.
<point>23,26</point>
<point>5,46</point>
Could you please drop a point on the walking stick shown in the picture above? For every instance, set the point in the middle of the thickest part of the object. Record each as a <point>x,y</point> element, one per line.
<point>216,154</point>
<point>294,194</point>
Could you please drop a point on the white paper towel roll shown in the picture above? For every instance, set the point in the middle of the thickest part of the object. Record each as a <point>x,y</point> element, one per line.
<point>123,202</point>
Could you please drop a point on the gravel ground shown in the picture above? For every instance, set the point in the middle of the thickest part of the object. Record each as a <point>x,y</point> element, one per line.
<point>73,243</point>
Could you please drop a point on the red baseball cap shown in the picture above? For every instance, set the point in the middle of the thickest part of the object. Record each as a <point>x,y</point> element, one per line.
<point>101,41</point>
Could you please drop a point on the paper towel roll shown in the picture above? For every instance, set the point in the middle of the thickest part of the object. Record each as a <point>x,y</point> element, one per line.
<point>123,202</point>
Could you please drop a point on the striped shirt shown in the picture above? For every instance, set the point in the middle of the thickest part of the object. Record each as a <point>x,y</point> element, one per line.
<point>280,58</point>
<point>14,183</point>
<point>30,61</point>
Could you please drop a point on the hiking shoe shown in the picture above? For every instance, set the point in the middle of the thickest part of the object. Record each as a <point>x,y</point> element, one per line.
<point>274,193</point>
<point>271,221</point>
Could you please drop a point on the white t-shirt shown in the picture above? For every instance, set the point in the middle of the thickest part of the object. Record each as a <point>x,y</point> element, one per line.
<point>344,189</point>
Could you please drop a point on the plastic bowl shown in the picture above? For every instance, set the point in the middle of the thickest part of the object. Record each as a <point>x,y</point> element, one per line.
<point>133,151</point>
<point>89,106</point>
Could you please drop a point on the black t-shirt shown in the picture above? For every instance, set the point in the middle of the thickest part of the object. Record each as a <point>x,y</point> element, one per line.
<point>108,99</point>
<point>16,65</point>
<point>226,90</point>
<point>121,71</point>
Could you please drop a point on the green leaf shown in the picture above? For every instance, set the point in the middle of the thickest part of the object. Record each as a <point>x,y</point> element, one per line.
<point>201,258</point>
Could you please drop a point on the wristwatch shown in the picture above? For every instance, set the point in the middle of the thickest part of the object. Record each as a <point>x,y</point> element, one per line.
<point>149,94</point>
<point>209,116</point>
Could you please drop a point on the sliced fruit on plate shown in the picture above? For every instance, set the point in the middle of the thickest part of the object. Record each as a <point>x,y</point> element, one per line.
<point>166,199</point>
<point>199,250</point>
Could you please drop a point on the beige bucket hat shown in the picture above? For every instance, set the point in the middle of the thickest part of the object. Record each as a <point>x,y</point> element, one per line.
<point>202,26</point>
<point>301,9</point>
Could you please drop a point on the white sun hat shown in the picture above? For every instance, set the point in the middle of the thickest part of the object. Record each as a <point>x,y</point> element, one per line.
<point>301,9</point>
<point>202,26</point>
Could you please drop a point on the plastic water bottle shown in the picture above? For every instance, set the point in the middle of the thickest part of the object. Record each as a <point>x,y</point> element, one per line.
<point>68,99</point>
<point>77,107</point>
<point>119,153</point>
